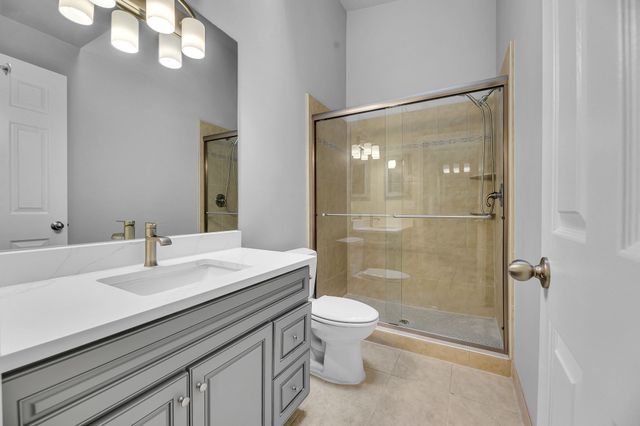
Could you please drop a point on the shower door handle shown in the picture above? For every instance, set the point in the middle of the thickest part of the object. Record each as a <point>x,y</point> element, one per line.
<point>522,270</point>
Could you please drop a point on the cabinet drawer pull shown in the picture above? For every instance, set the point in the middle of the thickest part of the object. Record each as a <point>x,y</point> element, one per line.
<point>202,387</point>
<point>184,401</point>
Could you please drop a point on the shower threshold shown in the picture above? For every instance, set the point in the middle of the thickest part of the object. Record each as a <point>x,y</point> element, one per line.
<point>475,330</point>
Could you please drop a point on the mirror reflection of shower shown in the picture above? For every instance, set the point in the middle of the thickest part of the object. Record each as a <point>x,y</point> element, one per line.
<point>221,182</point>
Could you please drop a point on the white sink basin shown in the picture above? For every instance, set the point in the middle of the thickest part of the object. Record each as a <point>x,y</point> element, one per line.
<point>164,278</point>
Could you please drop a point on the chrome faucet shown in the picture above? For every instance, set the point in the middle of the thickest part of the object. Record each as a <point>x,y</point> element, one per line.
<point>150,240</point>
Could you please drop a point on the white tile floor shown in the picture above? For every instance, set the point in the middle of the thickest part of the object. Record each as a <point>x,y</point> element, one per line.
<point>403,388</point>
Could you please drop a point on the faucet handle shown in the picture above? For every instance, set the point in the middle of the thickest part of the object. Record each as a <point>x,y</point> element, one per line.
<point>150,229</point>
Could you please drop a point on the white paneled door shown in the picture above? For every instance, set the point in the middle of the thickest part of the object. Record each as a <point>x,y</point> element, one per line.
<point>590,316</point>
<point>33,156</point>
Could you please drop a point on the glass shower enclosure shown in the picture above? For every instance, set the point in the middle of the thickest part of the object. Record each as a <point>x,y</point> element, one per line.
<point>409,212</point>
<point>221,182</point>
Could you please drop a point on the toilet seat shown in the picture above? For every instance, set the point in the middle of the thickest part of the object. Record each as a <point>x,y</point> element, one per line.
<point>340,311</point>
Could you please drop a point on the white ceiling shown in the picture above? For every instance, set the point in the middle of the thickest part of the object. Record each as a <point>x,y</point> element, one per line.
<point>362,4</point>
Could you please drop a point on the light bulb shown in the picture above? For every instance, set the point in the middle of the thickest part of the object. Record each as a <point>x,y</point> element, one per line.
<point>124,31</point>
<point>161,15</point>
<point>78,11</point>
<point>193,38</point>
<point>169,53</point>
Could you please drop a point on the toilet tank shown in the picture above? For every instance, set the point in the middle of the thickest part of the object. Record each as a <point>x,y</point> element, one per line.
<point>312,267</point>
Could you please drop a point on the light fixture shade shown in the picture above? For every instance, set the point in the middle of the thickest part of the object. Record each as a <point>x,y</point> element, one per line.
<point>391,164</point>
<point>78,11</point>
<point>161,15</point>
<point>169,53</point>
<point>108,4</point>
<point>193,38</point>
<point>367,148</point>
<point>124,31</point>
<point>355,152</point>
<point>375,152</point>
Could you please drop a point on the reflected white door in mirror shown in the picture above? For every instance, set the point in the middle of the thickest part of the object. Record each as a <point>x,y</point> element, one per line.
<point>33,156</point>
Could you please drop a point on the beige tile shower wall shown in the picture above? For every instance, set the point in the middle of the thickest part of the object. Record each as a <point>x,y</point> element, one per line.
<point>331,197</point>
<point>449,264</point>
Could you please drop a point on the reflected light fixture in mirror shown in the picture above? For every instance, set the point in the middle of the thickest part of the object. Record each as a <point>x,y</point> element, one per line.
<point>161,15</point>
<point>78,11</point>
<point>107,4</point>
<point>169,53</point>
<point>124,31</point>
<point>193,38</point>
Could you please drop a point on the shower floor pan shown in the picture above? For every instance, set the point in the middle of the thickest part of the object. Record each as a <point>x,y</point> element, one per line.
<point>473,329</point>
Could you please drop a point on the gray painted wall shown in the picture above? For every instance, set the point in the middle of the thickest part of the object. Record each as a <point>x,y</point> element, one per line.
<point>286,48</point>
<point>133,126</point>
<point>521,20</point>
<point>407,47</point>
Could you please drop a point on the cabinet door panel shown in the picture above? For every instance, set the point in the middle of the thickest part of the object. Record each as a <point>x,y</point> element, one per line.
<point>160,406</point>
<point>237,383</point>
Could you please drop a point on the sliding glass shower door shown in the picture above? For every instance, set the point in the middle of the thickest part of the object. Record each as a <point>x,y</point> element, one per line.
<point>409,214</point>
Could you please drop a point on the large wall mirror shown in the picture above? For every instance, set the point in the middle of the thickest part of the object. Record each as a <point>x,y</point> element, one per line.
<point>91,135</point>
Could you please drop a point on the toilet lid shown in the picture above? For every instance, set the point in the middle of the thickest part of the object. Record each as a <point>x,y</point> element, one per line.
<point>341,309</point>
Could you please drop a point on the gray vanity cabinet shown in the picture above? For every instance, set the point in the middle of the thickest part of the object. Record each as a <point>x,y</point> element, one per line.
<point>212,364</point>
<point>165,405</point>
<point>233,386</point>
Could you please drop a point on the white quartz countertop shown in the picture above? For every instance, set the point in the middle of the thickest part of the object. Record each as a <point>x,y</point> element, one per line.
<point>44,318</point>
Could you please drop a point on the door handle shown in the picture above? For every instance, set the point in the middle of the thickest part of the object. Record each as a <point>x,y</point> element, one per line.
<point>522,270</point>
<point>57,226</point>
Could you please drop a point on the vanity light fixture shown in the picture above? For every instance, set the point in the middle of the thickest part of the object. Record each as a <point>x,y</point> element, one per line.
<point>193,38</point>
<point>78,11</point>
<point>456,168</point>
<point>107,4</point>
<point>445,169</point>
<point>467,167</point>
<point>364,151</point>
<point>186,36</point>
<point>169,53</point>
<point>124,31</point>
<point>161,15</point>
<point>391,164</point>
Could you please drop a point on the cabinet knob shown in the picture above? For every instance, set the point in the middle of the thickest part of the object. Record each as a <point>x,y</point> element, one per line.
<point>202,387</point>
<point>295,337</point>
<point>184,401</point>
<point>294,388</point>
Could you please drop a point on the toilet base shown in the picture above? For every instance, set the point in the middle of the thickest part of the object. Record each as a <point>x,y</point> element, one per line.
<point>341,364</point>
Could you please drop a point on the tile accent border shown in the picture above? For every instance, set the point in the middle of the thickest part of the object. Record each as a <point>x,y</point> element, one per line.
<point>457,354</point>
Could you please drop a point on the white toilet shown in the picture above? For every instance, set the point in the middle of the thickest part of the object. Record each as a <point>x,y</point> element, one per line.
<point>338,326</point>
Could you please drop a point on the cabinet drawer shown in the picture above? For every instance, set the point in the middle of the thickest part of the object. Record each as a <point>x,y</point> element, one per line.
<point>290,388</point>
<point>291,337</point>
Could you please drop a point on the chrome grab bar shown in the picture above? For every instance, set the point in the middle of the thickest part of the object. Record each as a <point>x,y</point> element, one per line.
<point>444,216</point>
<point>413,216</point>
